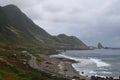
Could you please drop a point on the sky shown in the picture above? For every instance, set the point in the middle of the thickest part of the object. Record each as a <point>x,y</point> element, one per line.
<point>92,21</point>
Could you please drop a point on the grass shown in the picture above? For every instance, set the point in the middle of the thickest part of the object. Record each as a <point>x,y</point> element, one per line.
<point>15,73</point>
<point>39,59</point>
<point>13,69</point>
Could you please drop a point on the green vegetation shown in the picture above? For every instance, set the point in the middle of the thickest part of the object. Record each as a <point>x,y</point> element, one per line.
<point>39,59</point>
<point>13,68</point>
<point>17,29</point>
<point>19,33</point>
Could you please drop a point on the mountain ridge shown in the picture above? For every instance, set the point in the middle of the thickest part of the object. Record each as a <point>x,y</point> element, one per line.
<point>23,31</point>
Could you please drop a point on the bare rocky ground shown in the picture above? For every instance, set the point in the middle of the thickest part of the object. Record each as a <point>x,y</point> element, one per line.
<point>57,65</point>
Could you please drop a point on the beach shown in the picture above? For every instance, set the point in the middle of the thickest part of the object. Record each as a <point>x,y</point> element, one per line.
<point>59,66</point>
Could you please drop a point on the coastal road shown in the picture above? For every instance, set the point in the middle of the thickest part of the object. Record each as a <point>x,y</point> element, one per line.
<point>34,65</point>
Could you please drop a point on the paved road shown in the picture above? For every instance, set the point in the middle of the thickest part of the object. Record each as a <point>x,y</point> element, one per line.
<point>34,65</point>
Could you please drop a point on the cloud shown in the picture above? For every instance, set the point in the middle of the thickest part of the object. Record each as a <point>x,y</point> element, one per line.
<point>92,21</point>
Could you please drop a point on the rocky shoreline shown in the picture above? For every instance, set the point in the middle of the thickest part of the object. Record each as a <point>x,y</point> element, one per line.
<point>60,66</point>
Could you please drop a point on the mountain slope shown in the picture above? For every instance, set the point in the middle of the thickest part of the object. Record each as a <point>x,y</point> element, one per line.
<point>71,41</point>
<point>9,34</point>
<point>17,29</point>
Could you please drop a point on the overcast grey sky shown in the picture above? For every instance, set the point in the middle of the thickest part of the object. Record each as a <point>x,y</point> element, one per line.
<point>92,21</point>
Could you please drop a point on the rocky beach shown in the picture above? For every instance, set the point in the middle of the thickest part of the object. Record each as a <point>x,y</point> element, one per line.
<point>59,66</point>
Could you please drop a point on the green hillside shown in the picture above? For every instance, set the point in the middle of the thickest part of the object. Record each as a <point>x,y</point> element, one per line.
<point>16,29</point>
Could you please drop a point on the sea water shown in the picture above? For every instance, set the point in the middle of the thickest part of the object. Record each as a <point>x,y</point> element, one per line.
<point>99,62</point>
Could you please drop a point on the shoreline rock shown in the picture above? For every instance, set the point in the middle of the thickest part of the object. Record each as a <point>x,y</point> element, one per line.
<point>59,65</point>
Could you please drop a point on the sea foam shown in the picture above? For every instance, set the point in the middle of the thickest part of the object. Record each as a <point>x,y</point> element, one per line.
<point>99,62</point>
<point>85,64</point>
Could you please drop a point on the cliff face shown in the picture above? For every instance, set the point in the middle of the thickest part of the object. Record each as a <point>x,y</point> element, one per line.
<point>17,29</point>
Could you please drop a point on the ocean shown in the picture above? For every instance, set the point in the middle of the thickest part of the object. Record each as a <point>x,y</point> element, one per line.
<point>99,62</point>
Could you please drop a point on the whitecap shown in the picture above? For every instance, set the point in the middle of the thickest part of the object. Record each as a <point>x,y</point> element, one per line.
<point>105,72</point>
<point>86,65</point>
<point>99,62</point>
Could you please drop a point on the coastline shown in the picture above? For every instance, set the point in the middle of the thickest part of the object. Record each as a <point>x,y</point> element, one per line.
<point>60,66</point>
<point>55,67</point>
